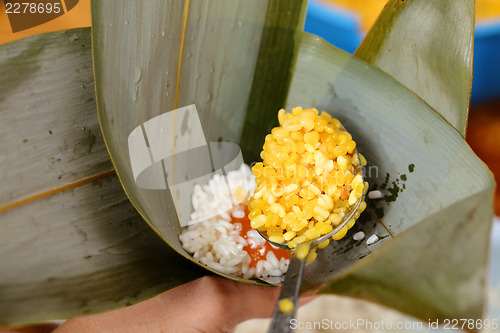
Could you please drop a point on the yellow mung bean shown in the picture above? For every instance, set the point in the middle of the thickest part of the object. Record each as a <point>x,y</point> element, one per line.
<point>286,306</point>
<point>308,179</point>
<point>302,251</point>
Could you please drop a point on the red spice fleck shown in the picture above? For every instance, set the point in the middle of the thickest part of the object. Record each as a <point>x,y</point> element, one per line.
<point>256,252</point>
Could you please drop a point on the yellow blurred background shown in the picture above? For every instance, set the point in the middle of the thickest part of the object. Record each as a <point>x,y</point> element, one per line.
<point>77,17</point>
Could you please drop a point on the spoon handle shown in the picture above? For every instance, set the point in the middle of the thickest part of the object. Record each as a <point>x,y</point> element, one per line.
<point>290,290</point>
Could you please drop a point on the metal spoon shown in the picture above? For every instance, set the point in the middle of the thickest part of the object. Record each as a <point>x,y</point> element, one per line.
<point>293,279</point>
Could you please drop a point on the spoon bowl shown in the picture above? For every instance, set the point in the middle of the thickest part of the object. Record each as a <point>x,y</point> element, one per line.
<point>347,217</point>
<point>319,240</point>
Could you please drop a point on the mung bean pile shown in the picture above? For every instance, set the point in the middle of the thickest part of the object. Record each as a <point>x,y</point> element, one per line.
<point>309,179</point>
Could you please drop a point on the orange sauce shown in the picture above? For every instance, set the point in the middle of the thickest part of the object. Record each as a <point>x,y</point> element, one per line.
<point>255,251</point>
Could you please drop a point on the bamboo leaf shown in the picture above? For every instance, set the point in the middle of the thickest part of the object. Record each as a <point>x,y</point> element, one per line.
<point>70,241</point>
<point>277,52</point>
<point>427,46</point>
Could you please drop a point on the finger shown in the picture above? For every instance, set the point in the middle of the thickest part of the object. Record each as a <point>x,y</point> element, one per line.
<point>254,301</point>
<point>224,303</point>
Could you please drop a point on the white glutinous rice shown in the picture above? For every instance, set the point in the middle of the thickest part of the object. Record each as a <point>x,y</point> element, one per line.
<point>215,241</point>
<point>358,236</point>
<point>373,239</point>
<point>376,194</point>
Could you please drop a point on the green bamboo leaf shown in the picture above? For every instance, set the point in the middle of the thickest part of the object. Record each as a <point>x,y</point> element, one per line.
<point>427,46</point>
<point>271,81</point>
<point>433,223</point>
<point>70,241</point>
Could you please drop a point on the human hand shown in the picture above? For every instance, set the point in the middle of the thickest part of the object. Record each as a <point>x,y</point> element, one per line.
<point>209,304</point>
